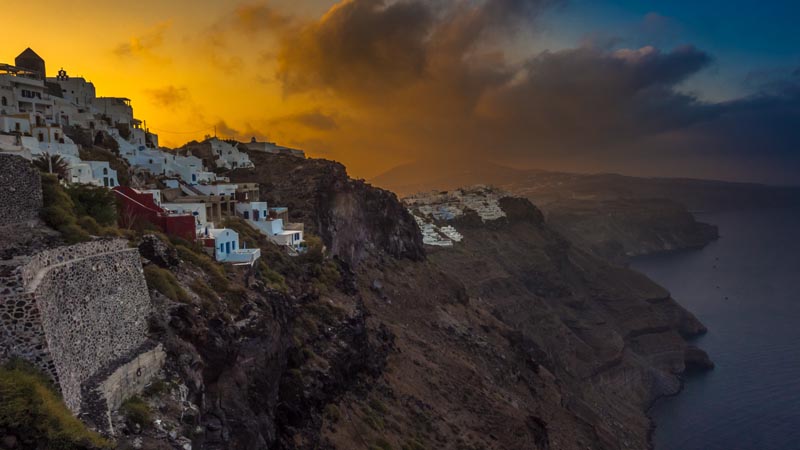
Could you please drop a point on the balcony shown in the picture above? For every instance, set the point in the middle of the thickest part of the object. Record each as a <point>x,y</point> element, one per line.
<point>243,256</point>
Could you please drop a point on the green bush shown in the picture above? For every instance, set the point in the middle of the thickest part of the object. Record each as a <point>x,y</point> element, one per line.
<point>79,211</point>
<point>164,282</point>
<point>137,411</point>
<point>30,406</point>
<point>94,201</point>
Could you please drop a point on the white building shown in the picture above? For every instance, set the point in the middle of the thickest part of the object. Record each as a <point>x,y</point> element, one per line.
<point>228,156</point>
<point>75,90</point>
<point>117,109</point>
<point>227,249</point>
<point>270,222</point>
<point>271,147</point>
<point>20,93</point>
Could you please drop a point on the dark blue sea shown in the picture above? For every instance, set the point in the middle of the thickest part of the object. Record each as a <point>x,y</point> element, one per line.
<point>746,289</point>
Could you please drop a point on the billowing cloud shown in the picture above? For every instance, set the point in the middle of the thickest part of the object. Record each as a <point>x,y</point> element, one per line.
<point>316,120</point>
<point>170,97</point>
<point>145,43</point>
<point>377,83</point>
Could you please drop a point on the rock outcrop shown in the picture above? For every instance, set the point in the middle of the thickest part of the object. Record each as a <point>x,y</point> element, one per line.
<point>352,217</point>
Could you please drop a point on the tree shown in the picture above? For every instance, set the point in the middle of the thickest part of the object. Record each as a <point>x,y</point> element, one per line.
<point>54,164</point>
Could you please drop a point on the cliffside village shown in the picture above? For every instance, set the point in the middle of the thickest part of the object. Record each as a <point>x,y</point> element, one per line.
<point>181,196</point>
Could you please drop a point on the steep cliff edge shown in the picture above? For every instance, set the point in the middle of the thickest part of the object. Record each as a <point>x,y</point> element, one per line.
<point>617,229</point>
<point>511,338</point>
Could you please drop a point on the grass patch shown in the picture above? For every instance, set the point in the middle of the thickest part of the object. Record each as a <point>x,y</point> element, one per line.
<point>164,282</point>
<point>30,406</point>
<point>271,278</point>
<point>217,274</point>
<point>137,411</point>
<point>204,290</point>
<point>157,388</point>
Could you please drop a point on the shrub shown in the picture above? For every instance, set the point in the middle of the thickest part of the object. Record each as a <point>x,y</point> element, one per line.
<point>79,211</point>
<point>136,411</point>
<point>332,413</point>
<point>157,388</point>
<point>164,282</point>
<point>30,406</point>
<point>94,201</point>
<point>271,278</point>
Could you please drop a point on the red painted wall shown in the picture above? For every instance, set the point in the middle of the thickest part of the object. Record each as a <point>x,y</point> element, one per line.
<point>136,207</point>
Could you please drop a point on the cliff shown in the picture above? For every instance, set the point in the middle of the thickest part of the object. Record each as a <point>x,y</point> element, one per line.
<point>622,228</point>
<point>511,338</point>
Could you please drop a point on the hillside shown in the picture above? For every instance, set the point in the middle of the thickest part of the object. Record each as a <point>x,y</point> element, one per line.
<point>513,338</point>
<point>612,216</point>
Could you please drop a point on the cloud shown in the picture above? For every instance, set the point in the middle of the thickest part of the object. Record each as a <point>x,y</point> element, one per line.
<point>260,17</point>
<point>145,43</point>
<point>435,78</point>
<point>427,65</point>
<point>170,97</point>
<point>316,120</point>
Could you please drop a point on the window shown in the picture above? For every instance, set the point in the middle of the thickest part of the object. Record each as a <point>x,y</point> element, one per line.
<point>5,101</point>
<point>41,137</point>
<point>105,171</point>
<point>111,182</point>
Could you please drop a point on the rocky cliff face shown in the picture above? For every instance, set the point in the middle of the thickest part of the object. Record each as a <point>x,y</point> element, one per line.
<point>511,338</point>
<point>622,228</point>
<point>353,218</point>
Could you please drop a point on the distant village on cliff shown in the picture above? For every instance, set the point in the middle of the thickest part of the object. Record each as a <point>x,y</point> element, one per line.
<point>178,191</point>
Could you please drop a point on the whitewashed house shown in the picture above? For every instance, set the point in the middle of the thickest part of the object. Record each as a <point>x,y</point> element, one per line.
<point>227,249</point>
<point>270,222</point>
<point>228,156</point>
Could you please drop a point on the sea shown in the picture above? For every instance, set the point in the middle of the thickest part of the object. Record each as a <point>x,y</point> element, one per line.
<point>745,288</point>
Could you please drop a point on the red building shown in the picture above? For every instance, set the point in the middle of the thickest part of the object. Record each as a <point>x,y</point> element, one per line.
<point>138,207</point>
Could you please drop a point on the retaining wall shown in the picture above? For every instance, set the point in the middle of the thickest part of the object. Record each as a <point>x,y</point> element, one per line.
<point>20,190</point>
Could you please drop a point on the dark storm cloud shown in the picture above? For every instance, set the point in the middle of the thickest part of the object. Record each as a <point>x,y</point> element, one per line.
<point>315,119</point>
<point>437,76</point>
<point>432,63</point>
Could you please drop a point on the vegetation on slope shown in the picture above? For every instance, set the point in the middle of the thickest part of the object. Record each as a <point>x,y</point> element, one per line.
<point>31,409</point>
<point>78,211</point>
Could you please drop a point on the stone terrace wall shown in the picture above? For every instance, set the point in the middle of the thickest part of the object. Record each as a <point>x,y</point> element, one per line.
<point>94,306</point>
<point>62,255</point>
<point>20,190</point>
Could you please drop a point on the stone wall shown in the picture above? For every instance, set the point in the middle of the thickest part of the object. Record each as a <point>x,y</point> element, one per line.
<point>20,190</point>
<point>94,311</point>
<point>79,313</point>
<point>109,388</point>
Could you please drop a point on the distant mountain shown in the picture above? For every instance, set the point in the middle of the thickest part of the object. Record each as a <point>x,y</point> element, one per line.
<point>610,215</point>
<point>432,175</point>
<point>544,187</point>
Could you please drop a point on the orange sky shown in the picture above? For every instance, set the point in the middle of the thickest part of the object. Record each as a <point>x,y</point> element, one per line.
<point>378,83</point>
<point>178,61</point>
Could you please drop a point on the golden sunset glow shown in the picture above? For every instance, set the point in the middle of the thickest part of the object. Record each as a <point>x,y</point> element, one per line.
<point>377,84</point>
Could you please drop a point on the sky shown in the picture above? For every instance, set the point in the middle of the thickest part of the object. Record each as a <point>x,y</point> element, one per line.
<point>679,88</point>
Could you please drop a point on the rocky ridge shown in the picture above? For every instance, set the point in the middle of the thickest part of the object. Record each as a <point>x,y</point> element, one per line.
<point>510,338</point>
